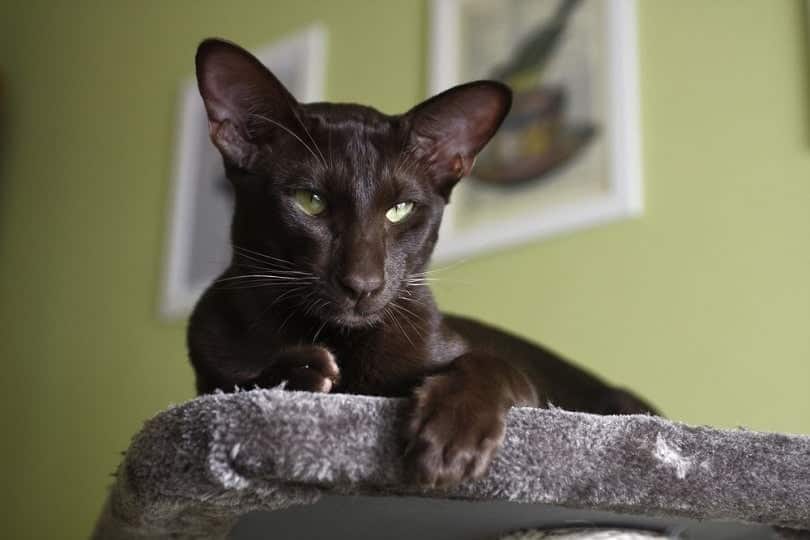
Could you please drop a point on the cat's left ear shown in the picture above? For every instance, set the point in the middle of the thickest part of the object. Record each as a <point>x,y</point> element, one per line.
<point>245,102</point>
<point>448,130</point>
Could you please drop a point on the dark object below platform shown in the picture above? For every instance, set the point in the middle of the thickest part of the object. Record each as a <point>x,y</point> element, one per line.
<point>408,518</point>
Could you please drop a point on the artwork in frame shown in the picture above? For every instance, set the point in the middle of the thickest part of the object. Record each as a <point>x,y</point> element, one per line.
<point>567,156</point>
<point>198,246</point>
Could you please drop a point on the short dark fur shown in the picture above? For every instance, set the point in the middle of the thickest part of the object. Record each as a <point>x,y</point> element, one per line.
<point>339,301</point>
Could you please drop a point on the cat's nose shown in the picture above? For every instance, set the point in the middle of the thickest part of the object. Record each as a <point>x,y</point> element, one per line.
<point>362,285</point>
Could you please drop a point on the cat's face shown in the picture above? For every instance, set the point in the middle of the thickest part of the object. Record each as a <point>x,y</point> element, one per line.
<point>359,218</point>
<point>340,198</point>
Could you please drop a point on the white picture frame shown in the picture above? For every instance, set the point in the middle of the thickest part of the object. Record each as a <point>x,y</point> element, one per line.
<point>622,197</point>
<point>197,247</point>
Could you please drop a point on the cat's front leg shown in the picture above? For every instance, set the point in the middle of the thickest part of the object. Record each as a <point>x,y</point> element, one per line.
<point>307,367</point>
<point>456,424</point>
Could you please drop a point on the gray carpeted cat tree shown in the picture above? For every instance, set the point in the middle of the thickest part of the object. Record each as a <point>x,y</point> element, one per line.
<point>329,466</point>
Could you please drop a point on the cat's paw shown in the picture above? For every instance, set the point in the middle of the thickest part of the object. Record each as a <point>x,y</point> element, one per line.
<point>308,367</point>
<point>453,432</point>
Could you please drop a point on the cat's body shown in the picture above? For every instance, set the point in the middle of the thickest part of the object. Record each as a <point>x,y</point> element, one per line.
<point>337,212</point>
<point>247,334</point>
<point>386,360</point>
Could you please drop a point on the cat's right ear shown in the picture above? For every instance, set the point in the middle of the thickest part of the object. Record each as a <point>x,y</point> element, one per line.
<point>448,130</point>
<point>245,102</point>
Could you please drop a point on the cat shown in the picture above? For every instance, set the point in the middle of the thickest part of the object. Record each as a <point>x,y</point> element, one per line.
<point>337,211</point>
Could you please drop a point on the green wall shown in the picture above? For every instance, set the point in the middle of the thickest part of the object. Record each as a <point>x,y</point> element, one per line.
<point>703,304</point>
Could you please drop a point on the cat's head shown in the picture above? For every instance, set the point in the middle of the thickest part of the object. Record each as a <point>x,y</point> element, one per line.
<point>342,196</point>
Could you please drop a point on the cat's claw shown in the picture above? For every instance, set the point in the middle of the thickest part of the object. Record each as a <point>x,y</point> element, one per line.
<point>310,368</point>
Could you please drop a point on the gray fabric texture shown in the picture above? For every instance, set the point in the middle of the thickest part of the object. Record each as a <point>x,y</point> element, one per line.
<point>195,468</point>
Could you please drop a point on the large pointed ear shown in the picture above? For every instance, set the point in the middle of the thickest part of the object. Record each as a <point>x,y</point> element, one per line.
<point>448,130</point>
<point>245,102</point>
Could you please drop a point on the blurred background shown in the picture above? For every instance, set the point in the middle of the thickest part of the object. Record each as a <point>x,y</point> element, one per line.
<point>702,304</point>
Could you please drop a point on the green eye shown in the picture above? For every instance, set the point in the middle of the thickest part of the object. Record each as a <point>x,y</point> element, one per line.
<point>399,211</point>
<point>310,202</point>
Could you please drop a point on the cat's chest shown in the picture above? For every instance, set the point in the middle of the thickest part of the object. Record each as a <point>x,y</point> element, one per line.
<point>387,360</point>
<point>388,363</point>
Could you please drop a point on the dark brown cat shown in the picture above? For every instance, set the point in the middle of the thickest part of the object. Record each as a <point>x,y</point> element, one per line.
<point>337,212</point>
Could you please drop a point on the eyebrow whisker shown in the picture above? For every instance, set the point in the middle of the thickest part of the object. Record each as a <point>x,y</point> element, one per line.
<point>291,132</point>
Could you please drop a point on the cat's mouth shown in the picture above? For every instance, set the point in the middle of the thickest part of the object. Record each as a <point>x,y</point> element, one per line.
<point>357,315</point>
<point>341,310</point>
<point>352,319</point>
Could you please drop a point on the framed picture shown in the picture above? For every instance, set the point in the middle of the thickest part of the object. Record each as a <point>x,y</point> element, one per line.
<point>198,247</point>
<point>567,156</point>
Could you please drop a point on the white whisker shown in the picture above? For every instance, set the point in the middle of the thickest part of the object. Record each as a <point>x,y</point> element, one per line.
<point>266,276</point>
<point>401,329</point>
<point>245,250</point>
<point>402,309</point>
<point>301,123</point>
<point>441,268</point>
<point>288,130</point>
<point>315,337</point>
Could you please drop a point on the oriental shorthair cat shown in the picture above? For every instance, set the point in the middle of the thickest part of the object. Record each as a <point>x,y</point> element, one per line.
<point>337,212</point>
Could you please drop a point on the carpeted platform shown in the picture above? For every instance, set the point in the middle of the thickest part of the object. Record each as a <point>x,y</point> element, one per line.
<point>194,469</point>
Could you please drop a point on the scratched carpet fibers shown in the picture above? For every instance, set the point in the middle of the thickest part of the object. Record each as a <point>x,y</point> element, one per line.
<point>195,468</point>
